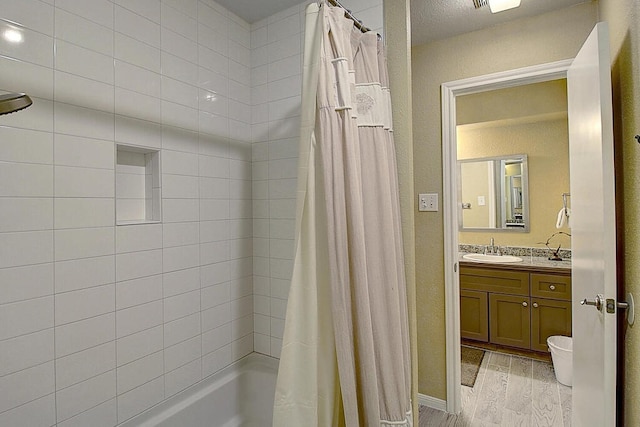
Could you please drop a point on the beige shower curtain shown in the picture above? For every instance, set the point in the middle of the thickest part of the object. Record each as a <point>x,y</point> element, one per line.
<point>345,357</point>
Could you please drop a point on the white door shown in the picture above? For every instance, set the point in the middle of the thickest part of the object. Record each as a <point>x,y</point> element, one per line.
<point>593,231</point>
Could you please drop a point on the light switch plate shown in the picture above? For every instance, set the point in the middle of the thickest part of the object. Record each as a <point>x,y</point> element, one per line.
<point>428,202</point>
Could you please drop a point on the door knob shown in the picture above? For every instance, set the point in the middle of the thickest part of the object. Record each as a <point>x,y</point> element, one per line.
<point>524,304</point>
<point>597,303</point>
<point>628,306</point>
<point>552,287</point>
<point>535,305</point>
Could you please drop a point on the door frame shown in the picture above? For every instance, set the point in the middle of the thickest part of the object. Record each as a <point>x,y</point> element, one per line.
<point>449,92</point>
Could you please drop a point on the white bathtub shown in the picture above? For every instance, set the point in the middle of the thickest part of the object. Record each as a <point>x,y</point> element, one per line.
<point>240,395</point>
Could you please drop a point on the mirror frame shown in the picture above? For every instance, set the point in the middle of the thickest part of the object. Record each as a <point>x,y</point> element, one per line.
<point>499,206</point>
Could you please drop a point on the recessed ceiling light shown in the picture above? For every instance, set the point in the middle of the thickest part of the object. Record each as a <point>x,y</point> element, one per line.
<point>13,36</point>
<point>500,5</point>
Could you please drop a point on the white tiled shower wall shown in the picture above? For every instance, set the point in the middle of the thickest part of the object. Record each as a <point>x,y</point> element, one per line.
<point>276,68</point>
<point>97,322</point>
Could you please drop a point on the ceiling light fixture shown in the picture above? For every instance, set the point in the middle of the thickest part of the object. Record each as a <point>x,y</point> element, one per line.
<point>501,5</point>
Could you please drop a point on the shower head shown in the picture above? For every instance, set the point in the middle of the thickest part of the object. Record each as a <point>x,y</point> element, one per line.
<point>12,102</point>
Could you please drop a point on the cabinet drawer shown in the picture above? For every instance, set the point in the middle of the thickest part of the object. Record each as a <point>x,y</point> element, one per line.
<point>552,286</point>
<point>474,315</point>
<point>495,281</point>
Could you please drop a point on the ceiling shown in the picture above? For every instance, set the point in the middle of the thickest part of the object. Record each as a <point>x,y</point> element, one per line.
<point>438,19</point>
<point>255,10</point>
<point>430,19</point>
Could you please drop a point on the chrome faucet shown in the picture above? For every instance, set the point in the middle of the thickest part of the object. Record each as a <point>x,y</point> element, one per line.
<point>492,249</point>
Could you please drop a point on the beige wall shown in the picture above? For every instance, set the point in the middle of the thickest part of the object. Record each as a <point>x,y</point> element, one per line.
<point>542,99</point>
<point>623,17</point>
<point>478,182</point>
<point>546,144</point>
<point>550,37</point>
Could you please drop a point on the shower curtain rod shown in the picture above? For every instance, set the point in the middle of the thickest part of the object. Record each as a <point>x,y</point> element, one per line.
<point>358,23</point>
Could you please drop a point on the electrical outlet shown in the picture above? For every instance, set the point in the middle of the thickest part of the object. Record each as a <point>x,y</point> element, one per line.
<point>428,202</point>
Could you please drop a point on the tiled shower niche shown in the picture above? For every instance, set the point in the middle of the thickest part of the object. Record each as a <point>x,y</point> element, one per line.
<point>138,191</point>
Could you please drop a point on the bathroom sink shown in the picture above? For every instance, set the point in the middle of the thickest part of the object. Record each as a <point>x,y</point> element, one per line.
<point>492,258</point>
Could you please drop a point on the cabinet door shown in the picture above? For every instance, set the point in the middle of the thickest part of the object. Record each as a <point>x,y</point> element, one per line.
<point>510,320</point>
<point>548,317</point>
<point>474,315</point>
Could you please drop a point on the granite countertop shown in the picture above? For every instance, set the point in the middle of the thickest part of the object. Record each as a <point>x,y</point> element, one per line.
<point>528,263</point>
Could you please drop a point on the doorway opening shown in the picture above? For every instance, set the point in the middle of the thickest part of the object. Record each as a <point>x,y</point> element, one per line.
<point>453,213</point>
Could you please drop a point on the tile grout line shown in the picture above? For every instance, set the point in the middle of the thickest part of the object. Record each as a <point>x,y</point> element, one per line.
<point>199,153</point>
<point>53,215</point>
<point>115,218</point>
<point>162,131</point>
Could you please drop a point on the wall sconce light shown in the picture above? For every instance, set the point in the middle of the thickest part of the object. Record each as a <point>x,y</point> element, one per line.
<point>501,5</point>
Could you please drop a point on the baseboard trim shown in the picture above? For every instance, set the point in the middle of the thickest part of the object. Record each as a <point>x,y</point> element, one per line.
<point>432,402</point>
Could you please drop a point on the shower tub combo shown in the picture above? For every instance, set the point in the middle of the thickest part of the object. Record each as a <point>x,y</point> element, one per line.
<point>239,395</point>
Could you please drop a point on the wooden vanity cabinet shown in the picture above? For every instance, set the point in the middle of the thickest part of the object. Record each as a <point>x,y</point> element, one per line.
<point>501,293</point>
<point>514,308</point>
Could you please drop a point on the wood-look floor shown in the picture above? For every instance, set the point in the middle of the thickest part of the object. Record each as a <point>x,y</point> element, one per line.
<point>509,391</point>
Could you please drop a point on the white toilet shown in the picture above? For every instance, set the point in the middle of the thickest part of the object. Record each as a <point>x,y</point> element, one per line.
<point>562,355</point>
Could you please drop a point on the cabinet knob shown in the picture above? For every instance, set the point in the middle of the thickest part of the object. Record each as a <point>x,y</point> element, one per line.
<point>535,305</point>
<point>552,287</point>
<point>524,303</point>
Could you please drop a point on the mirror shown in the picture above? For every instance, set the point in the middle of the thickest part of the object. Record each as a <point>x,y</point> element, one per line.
<point>493,194</point>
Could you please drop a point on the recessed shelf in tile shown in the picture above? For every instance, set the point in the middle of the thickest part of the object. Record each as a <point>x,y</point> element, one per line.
<point>138,190</point>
